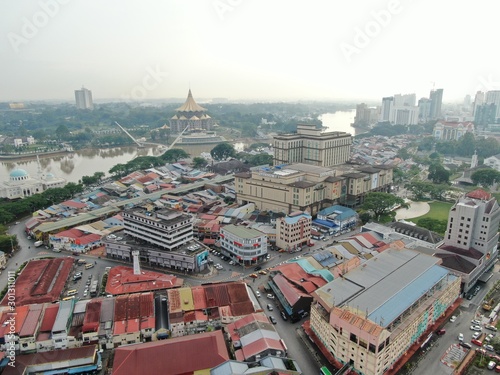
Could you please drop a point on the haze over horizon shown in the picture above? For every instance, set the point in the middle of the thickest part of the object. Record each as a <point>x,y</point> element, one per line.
<point>247,50</point>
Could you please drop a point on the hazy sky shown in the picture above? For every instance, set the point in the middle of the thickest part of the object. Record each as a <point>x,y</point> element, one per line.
<point>247,49</point>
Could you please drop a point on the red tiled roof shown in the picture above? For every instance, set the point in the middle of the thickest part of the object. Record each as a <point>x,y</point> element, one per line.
<point>42,280</point>
<point>199,300</point>
<point>185,355</point>
<point>122,280</point>
<point>32,319</point>
<point>92,316</point>
<point>49,318</point>
<point>478,194</point>
<point>291,293</point>
<point>70,233</point>
<point>260,346</point>
<point>74,204</point>
<point>21,314</point>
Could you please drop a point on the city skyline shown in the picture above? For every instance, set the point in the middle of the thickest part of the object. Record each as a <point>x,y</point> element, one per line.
<point>247,50</point>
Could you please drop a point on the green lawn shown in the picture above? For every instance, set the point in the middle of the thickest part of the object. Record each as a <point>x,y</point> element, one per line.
<point>439,211</point>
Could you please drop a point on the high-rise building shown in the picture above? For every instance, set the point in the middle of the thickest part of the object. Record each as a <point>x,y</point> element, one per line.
<point>478,100</point>
<point>493,97</point>
<point>387,105</point>
<point>424,109</point>
<point>436,97</point>
<point>83,99</point>
<point>312,146</point>
<point>485,114</point>
<point>365,116</point>
<point>470,245</point>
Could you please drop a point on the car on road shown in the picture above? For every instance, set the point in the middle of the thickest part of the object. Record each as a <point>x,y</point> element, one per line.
<point>460,337</point>
<point>262,272</point>
<point>466,345</point>
<point>85,292</point>
<point>476,342</point>
<point>440,332</point>
<point>469,296</point>
<point>253,275</point>
<point>76,253</point>
<point>258,268</point>
<point>270,296</point>
<point>273,319</point>
<point>283,315</point>
<point>257,293</point>
<point>476,328</point>
<point>270,307</point>
<point>453,318</point>
<point>475,322</point>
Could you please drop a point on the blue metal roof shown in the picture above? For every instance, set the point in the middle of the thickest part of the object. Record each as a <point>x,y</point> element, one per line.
<point>405,297</point>
<point>342,212</point>
<point>325,223</point>
<point>294,219</point>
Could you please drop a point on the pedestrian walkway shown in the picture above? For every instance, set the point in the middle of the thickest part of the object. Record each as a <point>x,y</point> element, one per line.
<point>415,209</point>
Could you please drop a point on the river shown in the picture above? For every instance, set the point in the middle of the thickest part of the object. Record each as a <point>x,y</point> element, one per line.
<point>73,166</point>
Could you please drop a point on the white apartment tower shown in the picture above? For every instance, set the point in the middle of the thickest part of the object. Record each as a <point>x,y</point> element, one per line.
<point>83,98</point>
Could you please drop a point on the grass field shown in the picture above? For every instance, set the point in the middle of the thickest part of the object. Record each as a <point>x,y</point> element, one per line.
<point>439,211</point>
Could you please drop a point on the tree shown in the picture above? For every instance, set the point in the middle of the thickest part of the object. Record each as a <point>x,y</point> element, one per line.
<point>381,203</point>
<point>62,132</point>
<point>261,159</point>
<point>485,177</point>
<point>438,174</point>
<point>199,162</point>
<point>466,145</point>
<point>99,175</point>
<point>223,151</point>
<point>118,170</point>
<point>438,226</point>
<point>173,155</point>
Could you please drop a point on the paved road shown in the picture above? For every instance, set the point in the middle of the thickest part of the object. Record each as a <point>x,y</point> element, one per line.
<point>431,361</point>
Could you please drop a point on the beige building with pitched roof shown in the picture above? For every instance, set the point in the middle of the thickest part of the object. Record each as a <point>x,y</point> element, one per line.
<point>191,115</point>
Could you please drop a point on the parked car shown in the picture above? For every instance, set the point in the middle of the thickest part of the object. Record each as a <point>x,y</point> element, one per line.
<point>489,348</point>
<point>476,342</point>
<point>283,315</point>
<point>466,345</point>
<point>254,275</point>
<point>258,268</point>
<point>475,322</point>
<point>460,337</point>
<point>262,272</point>
<point>272,319</point>
<point>453,318</point>
<point>440,332</point>
<point>491,328</point>
<point>476,335</point>
<point>257,293</point>
<point>270,296</point>
<point>270,307</point>
<point>476,328</point>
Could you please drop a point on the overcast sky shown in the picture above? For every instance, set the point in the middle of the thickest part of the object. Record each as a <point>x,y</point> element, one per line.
<point>247,49</point>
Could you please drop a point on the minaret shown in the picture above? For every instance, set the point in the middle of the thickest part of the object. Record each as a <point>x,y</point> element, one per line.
<point>39,171</point>
<point>137,265</point>
<point>473,162</point>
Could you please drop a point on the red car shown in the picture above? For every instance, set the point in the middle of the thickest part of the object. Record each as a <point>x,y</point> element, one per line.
<point>476,342</point>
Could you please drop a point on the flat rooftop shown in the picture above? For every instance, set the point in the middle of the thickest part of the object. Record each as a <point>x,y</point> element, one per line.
<point>386,285</point>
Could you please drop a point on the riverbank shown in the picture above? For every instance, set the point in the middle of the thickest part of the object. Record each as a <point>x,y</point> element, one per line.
<point>33,155</point>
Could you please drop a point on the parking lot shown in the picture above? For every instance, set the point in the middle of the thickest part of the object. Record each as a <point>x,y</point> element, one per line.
<point>83,275</point>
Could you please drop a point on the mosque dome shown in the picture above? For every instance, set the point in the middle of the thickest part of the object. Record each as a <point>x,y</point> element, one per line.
<point>17,173</point>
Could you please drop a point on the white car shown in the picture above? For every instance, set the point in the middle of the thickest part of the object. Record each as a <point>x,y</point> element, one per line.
<point>453,318</point>
<point>476,335</point>
<point>476,328</point>
<point>460,337</point>
<point>475,322</point>
<point>257,293</point>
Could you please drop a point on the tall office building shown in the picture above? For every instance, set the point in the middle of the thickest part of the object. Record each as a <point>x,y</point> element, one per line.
<point>478,100</point>
<point>83,98</point>
<point>424,109</point>
<point>365,116</point>
<point>493,97</point>
<point>387,105</point>
<point>311,146</point>
<point>436,97</point>
<point>470,245</point>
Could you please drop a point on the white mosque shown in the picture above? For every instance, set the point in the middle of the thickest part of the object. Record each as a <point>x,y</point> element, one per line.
<point>21,185</point>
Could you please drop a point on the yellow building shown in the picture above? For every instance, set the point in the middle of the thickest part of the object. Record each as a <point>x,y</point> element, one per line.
<point>304,187</point>
<point>370,316</point>
<point>311,145</point>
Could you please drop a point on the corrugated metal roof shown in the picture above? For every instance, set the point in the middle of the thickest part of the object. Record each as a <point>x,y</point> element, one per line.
<point>32,319</point>
<point>65,311</point>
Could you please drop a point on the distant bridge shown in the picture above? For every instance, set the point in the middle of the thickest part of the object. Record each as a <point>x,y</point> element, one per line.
<point>130,135</point>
